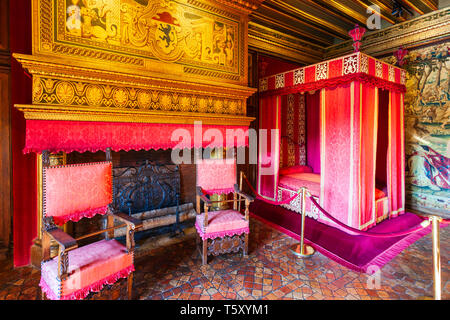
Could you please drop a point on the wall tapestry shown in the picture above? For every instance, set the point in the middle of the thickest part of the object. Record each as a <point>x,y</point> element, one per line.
<point>427,127</point>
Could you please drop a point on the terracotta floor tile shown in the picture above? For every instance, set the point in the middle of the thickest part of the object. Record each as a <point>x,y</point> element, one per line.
<point>270,272</point>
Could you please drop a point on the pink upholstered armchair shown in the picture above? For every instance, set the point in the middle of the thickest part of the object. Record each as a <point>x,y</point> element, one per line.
<point>70,193</point>
<point>220,231</point>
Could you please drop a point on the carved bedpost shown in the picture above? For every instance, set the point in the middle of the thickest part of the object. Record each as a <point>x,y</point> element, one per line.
<point>108,154</point>
<point>45,158</point>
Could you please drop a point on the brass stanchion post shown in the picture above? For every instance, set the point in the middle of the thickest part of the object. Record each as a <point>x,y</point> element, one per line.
<point>436,258</point>
<point>303,250</point>
<point>241,175</point>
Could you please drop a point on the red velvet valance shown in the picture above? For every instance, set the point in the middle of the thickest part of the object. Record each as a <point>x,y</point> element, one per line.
<point>336,72</point>
<point>82,136</point>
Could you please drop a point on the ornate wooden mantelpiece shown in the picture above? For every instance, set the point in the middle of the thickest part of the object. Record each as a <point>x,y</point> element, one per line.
<point>153,61</point>
<point>63,92</point>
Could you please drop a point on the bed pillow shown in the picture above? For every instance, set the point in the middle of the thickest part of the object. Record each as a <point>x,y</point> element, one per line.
<point>296,169</point>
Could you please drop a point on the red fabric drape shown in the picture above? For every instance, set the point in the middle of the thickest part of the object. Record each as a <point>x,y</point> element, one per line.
<point>396,155</point>
<point>338,161</point>
<point>24,166</point>
<point>349,131</point>
<point>81,136</point>
<point>368,143</point>
<point>312,85</point>
<point>269,148</point>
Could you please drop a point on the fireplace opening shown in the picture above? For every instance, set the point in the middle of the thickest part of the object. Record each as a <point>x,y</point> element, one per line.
<point>148,186</point>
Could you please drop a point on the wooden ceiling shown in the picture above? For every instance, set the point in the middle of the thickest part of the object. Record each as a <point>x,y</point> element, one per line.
<point>323,23</point>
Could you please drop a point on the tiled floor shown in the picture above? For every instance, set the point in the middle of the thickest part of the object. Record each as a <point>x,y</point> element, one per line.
<point>271,271</point>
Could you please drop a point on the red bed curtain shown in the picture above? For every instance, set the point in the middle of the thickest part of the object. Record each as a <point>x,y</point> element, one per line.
<point>348,142</point>
<point>338,160</point>
<point>396,155</point>
<point>269,146</point>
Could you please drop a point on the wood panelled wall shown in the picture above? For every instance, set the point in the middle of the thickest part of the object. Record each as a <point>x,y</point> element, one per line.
<point>5,130</point>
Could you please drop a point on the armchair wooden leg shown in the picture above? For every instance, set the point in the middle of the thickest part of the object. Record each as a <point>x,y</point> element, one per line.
<point>246,245</point>
<point>130,286</point>
<point>205,252</point>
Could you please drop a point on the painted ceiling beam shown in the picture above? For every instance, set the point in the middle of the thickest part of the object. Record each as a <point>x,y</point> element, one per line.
<point>384,11</point>
<point>321,6</point>
<point>304,35</point>
<point>302,22</point>
<point>339,32</point>
<point>412,6</point>
<point>430,4</point>
<point>348,11</point>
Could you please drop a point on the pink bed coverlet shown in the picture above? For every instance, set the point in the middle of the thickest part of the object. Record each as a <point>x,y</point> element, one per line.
<point>295,181</point>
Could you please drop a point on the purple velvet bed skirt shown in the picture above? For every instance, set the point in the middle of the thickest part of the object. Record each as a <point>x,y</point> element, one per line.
<point>356,252</point>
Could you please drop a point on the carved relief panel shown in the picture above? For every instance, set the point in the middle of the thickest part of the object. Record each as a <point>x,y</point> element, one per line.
<point>200,38</point>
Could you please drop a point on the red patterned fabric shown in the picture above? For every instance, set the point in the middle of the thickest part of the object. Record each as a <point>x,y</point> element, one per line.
<point>90,268</point>
<point>295,181</point>
<point>349,129</point>
<point>73,192</point>
<point>295,169</point>
<point>338,176</point>
<point>396,155</point>
<point>221,223</point>
<point>368,145</point>
<point>336,82</point>
<point>216,176</point>
<point>269,149</point>
<point>349,105</point>
<point>336,72</point>
<point>82,136</point>
<point>382,208</point>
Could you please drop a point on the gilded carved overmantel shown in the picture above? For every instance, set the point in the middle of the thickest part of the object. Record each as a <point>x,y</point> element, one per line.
<point>166,61</point>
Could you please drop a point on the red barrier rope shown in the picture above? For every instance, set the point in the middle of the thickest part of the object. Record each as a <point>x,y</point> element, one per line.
<point>260,197</point>
<point>422,225</point>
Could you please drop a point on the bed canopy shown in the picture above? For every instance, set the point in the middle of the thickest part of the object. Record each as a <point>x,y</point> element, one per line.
<point>358,102</point>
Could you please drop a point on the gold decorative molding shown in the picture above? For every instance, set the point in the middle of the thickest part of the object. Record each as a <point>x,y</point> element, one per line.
<point>49,112</point>
<point>246,6</point>
<point>433,26</point>
<point>65,92</point>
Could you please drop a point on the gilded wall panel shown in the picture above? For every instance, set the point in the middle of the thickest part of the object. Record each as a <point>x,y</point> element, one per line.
<point>199,38</point>
<point>53,91</point>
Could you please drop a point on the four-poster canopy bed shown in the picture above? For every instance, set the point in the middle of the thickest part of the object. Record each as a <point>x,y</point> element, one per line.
<point>348,145</point>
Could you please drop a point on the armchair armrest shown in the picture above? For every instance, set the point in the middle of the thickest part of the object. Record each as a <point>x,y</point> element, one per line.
<point>247,197</point>
<point>203,197</point>
<point>66,242</point>
<point>131,223</point>
<point>128,220</point>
